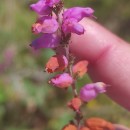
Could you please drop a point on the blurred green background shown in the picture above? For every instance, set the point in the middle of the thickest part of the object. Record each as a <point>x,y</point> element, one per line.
<point>26,100</point>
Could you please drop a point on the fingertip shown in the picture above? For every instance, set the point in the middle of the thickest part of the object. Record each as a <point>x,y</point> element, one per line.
<point>94,42</point>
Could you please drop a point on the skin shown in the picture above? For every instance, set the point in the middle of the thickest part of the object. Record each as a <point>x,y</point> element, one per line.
<point>109,59</point>
<point>120,127</point>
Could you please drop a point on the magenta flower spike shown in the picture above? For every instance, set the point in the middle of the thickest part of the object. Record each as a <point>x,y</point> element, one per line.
<point>45,24</point>
<point>78,13</point>
<point>62,80</point>
<point>46,41</point>
<point>90,91</point>
<point>72,26</point>
<point>55,27</point>
<point>52,2</point>
<point>41,8</point>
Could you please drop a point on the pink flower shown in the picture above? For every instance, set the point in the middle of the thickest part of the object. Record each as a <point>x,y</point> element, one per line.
<point>90,91</point>
<point>52,2</point>
<point>45,24</point>
<point>62,80</point>
<point>56,63</point>
<point>100,87</point>
<point>46,41</point>
<point>78,13</point>
<point>72,26</point>
<point>41,8</point>
<point>72,16</point>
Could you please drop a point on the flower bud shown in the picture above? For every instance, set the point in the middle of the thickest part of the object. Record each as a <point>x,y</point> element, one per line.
<point>75,104</point>
<point>62,80</point>
<point>56,63</point>
<point>90,91</point>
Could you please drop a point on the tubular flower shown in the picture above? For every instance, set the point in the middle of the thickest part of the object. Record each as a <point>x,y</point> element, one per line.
<point>72,16</point>
<point>100,87</point>
<point>56,63</point>
<point>46,41</point>
<point>90,91</point>
<point>71,25</point>
<point>78,13</point>
<point>52,2</point>
<point>41,8</point>
<point>62,80</point>
<point>45,24</point>
<point>80,68</point>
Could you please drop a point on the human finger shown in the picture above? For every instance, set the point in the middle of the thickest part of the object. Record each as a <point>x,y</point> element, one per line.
<point>109,58</point>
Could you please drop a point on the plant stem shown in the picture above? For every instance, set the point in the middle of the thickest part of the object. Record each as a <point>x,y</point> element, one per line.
<point>70,58</point>
<point>78,117</point>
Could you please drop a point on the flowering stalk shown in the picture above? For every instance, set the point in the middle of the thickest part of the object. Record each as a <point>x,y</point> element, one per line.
<point>55,30</point>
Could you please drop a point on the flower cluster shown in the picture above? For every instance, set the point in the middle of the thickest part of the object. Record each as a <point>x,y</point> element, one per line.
<point>48,24</point>
<point>55,32</point>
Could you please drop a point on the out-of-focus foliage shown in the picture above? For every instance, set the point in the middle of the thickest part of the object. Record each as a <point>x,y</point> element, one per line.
<point>27,102</point>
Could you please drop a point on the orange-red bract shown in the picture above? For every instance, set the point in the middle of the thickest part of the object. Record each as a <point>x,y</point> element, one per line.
<point>80,68</point>
<point>70,127</point>
<point>75,103</point>
<point>98,124</point>
<point>84,128</point>
<point>56,63</point>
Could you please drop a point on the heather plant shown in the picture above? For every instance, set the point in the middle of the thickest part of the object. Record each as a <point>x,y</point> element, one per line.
<point>54,26</point>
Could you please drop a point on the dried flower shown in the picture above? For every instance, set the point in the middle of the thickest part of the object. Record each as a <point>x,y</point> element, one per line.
<point>62,80</point>
<point>75,104</point>
<point>80,68</point>
<point>90,91</point>
<point>46,41</point>
<point>56,63</point>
